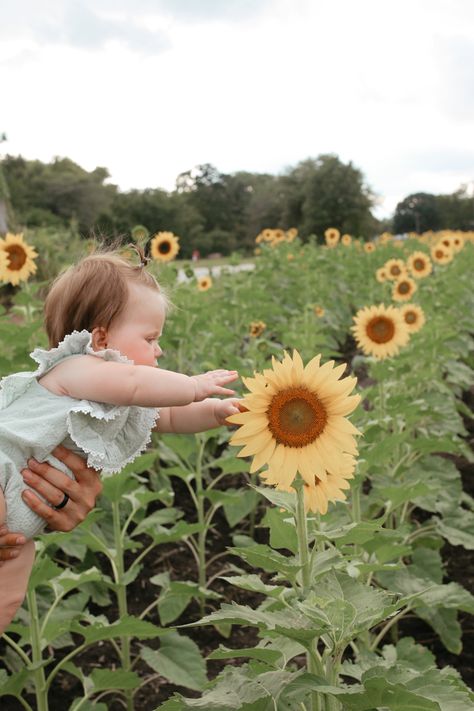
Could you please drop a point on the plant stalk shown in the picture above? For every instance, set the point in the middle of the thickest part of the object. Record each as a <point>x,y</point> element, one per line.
<point>36,655</point>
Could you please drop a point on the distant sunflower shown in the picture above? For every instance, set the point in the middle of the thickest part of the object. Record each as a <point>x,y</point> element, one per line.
<point>413,316</point>
<point>257,328</point>
<point>441,254</point>
<point>295,421</point>
<point>458,241</point>
<point>346,240</point>
<point>164,246</point>
<point>319,311</point>
<point>290,256</point>
<point>419,265</point>
<point>332,236</point>
<point>17,262</point>
<point>395,268</point>
<point>369,247</point>
<point>204,283</point>
<point>291,234</point>
<point>403,289</point>
<point>381,275</point>
<point>385,237</point>
<point>380,330</point>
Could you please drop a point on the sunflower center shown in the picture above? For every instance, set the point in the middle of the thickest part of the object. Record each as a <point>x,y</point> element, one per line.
<point>380,329</point>
<point>296,417</point>
<point>439,254</point>
<point>395,270</point>
<point>410,317</point>
<point>419,265</point>
<point>16,257</point>
<point>403,287</point>
<point>164,247</point>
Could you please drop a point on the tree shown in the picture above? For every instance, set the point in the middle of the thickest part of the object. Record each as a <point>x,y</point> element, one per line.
<point>325,192</point>
<point>417,213</point>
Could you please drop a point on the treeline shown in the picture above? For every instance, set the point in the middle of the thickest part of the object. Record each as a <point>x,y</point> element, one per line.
<point>217,212</point>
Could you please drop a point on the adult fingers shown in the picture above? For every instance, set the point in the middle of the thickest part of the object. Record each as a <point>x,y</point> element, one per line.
<point>78,465</point>
<point>65,519</point>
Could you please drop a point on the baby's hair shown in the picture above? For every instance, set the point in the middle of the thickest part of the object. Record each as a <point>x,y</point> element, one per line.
<point>94,292</point>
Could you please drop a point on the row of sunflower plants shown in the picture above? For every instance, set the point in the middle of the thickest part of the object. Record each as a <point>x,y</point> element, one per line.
<point>281,289</point>
<point>381,548</point>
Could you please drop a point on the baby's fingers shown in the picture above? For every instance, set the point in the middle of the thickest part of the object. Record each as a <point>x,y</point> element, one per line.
<point>218,390</point>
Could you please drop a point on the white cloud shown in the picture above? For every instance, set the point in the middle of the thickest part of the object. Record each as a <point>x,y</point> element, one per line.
<point>151,89</point>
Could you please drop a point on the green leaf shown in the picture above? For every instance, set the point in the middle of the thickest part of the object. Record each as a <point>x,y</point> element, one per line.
<point>269,656</point>
<point>103,679</point>
<point>282,531</point>
<point>282,499</point>
<point>288,622</point>
<point>143,463</point>
<point>457,528</point>
<point>254,583</point>
<point>262,556</point>
<point>241,503</point>
<point>127,626</point>
<point>178,660</point>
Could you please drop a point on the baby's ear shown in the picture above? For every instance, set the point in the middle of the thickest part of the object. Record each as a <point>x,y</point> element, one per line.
<point>99,338</point>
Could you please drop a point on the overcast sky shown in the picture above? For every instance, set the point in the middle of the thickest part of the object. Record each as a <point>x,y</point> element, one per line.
<point>151,88</point>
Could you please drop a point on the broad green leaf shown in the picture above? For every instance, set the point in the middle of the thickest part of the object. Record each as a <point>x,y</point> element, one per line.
<point>13,684</point>
<point>125,627</point>
<point>282,530</point>
<point>262,556</point>
<point>240,505</point>
<point>457,528</point>
<point>113,679</point>
<point>288,623</point>
<point>254,583</point>
<point>269,656</point>
<point>179,660</point>
<point>143,463</point>
<point>282,499</point>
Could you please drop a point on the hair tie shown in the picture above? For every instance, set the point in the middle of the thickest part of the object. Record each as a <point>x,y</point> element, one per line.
<point>143,259</point>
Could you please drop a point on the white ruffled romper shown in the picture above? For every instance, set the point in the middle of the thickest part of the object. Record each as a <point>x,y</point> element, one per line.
<point>33,421</point>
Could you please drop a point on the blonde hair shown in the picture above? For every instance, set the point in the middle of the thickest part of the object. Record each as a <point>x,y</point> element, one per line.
<point>93,293</point>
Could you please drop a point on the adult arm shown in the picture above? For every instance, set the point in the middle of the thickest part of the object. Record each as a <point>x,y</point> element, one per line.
<point>52,484</point>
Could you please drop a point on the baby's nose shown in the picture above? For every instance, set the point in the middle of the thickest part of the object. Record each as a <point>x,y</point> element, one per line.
<point>158,351</point>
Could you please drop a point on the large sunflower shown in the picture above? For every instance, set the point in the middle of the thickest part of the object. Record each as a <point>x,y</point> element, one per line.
<point>403,289</point>
<point>164,246</point>
<point>395,268</point>
<point>17,263</point>
<point>419,265</point>
<point>332,236</point>
<point>413,316</point>
<point>441,254</point>
<point>294,420</point>
<point>380,330</point>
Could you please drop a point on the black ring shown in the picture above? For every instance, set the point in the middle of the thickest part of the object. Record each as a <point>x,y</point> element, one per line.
<point>63,502</point>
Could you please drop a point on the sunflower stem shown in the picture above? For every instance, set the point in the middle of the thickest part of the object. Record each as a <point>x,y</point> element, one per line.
<point>305,561</point>
<point>302,537</point>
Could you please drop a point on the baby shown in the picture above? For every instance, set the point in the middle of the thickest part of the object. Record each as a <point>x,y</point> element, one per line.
<point>97,391</point>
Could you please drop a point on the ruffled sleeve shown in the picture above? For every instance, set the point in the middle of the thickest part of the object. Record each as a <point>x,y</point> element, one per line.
<point>15,385</point>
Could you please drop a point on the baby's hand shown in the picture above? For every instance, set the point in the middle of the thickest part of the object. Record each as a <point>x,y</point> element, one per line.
<point>224,408</point>
<point>211,383</point>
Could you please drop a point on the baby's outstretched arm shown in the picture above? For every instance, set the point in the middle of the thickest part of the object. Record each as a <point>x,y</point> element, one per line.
<point>91,378</point>
<point>197,417</point>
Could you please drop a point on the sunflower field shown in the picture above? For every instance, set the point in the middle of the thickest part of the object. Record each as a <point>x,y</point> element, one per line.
<point>315,555</point>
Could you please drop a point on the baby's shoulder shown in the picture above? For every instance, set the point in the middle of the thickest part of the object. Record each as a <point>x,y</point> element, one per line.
<point>58,378</point>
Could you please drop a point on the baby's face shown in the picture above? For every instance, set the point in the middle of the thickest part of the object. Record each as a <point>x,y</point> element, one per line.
<point>137,330</point>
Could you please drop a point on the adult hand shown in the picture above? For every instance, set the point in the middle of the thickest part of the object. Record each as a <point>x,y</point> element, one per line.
<point>52,484</point>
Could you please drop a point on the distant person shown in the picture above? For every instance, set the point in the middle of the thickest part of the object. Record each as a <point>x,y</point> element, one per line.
<point>96,391</point>
<point>196,255</point>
